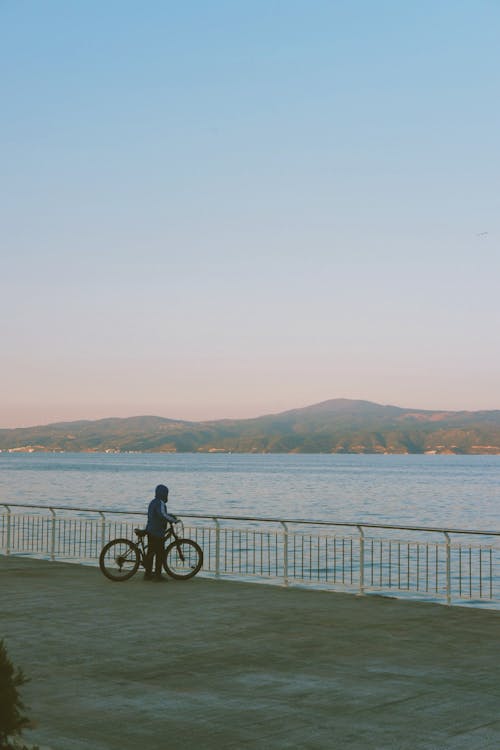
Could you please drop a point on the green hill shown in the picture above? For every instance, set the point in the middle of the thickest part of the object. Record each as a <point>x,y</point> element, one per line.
<point>335,426</point>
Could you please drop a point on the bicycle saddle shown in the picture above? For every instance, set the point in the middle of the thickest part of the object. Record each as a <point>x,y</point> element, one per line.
<point>140,532</point>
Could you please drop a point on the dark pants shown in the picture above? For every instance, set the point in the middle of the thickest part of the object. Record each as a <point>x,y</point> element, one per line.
<point>155,550</point>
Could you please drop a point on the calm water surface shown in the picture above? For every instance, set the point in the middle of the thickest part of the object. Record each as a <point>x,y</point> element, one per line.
<point>458,491</point>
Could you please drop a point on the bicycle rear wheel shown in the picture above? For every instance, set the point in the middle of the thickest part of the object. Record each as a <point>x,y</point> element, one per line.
<point>119,559</point>
<point>183,559</point>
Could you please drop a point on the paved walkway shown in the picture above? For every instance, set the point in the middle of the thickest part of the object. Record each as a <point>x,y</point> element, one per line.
<point>222,665</point>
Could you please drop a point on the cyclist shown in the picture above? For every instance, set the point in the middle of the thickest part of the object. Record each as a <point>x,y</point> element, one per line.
<point>158,517</point>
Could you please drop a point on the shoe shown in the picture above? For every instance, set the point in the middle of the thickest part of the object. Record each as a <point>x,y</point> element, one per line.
<point>159,579</point>
<point>148,577</point>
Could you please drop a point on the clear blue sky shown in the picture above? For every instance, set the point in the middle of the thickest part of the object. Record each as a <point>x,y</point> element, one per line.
<point>224,209</point>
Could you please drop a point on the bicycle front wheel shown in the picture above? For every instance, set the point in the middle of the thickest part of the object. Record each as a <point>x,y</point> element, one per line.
<point>119,559</point>
<point>183,559</point>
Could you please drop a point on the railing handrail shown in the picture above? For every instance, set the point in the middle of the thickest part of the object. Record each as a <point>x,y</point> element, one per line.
<point>298,521</point>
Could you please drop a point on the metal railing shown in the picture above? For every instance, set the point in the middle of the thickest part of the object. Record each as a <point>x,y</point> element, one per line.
<point>454,565</point>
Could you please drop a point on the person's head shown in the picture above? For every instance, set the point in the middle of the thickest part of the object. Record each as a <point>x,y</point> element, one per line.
<point>161,493</point>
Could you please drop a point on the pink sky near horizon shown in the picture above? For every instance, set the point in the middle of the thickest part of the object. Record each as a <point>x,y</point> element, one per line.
<point>34,416</point>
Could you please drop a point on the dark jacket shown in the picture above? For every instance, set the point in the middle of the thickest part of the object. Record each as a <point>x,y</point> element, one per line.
<point>158,517</point>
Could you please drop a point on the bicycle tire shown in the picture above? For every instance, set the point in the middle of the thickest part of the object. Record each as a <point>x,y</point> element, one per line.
<point>183,559</point>
<point>119,559</point>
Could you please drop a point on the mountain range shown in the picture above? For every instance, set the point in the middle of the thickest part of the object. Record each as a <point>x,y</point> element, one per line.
<point>334,426</point>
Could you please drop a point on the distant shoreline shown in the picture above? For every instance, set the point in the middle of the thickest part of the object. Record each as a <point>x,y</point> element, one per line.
<point>28,450</point>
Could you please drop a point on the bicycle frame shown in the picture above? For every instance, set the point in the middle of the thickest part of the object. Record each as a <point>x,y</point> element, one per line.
<point>142,545</point>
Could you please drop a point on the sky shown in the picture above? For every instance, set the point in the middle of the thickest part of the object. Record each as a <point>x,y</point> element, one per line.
<point>227,209</point>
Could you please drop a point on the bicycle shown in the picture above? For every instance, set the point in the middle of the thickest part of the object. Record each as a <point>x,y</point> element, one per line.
<point>120,559</point>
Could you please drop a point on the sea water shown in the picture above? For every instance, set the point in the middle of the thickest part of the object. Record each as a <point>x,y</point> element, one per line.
<point>425,490</point>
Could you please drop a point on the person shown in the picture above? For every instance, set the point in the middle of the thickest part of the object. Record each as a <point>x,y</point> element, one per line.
<point>158,517</point>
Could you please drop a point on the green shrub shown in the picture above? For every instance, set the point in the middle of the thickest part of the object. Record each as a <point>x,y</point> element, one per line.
<point>12,718</point>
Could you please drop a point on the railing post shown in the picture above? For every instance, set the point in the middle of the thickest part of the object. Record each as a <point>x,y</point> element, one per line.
<point>53,536</point>
<point>103,528</point>
<point>217,547</point>
<point>8,529</point>
<point>361,561</point>
<point>448,568</point>
<point>285,553</point>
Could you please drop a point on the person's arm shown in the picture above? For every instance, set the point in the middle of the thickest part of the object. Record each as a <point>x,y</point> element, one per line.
<point>167,516</point>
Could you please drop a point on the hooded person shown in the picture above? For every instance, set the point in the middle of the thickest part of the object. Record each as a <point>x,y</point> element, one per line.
<point>158,518</point>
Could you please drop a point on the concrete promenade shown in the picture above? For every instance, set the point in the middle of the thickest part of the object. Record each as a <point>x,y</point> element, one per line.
<point>223,665</point>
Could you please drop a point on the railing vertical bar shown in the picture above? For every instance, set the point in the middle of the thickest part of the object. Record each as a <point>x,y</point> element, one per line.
<point>53,535</point>
<point>225,566</point>
<point>261,569</point>
<point>448,568</point>
<point>408,550</point>
<point>480,572</point>
<point>470,572</point>
<point>390,563</point>
<point>399,564</point>
<point>491,573</point>
<point>460,570</point>
<point>217,547</point>
<point>361,561</point>
<point>351,561</point>
<point>371,562</point>
<point>381,562</point>
<point>269,552</point>
<point>327,560</point>
<point>335,559</point>
<point>310,557</point>
<point>343,559</point>
<point>285,553</point>
<point>8,529</point>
